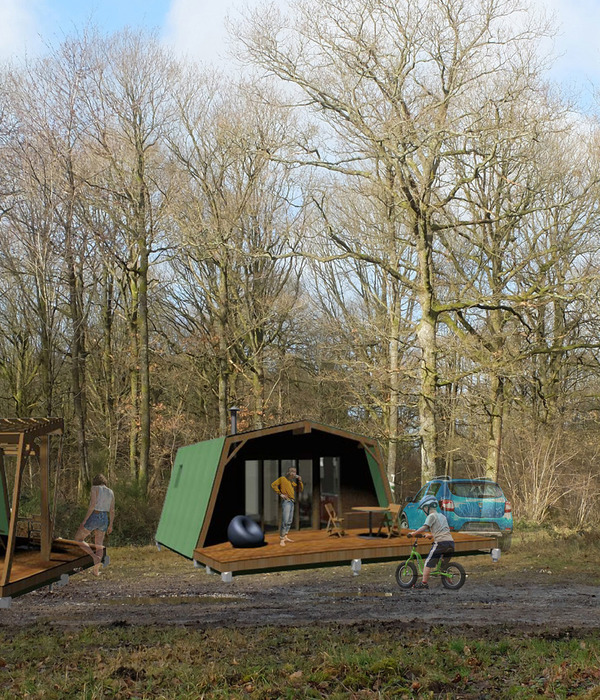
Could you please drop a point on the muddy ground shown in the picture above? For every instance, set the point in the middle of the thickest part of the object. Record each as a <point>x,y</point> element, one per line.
<point>140,592</point>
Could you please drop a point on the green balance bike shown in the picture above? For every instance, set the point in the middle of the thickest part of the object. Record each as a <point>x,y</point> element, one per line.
<point>452,574</point>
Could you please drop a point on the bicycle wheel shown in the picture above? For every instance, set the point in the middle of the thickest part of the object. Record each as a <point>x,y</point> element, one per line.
<point>456,577</point>
<point>406,574</point>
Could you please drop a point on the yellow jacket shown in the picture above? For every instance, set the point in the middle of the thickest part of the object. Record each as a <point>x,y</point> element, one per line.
<point>284,487</point>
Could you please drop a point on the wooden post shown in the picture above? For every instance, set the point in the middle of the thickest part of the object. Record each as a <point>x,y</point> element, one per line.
<point>4,487</point>
<point>12,529</point>
<point>46,530</point>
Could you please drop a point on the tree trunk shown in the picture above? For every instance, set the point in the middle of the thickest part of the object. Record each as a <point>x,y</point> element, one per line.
<point>258,381</point>
<point>426,336</point>
<point>394,395</point>
<point>109,378</point>
<point>134,384</point>
<point>77,366</point>
<point>494,451</point>
<point>223,360</point>
<point>144,368</point>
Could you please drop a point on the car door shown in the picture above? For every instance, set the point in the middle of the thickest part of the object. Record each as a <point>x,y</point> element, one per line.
<point>414,515</point>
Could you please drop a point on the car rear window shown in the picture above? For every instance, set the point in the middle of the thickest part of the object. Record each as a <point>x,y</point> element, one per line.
<point>476,489</point>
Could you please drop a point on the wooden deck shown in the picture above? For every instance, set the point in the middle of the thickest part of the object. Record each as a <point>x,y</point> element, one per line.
<point>316,548</point>
<point>29,572</point>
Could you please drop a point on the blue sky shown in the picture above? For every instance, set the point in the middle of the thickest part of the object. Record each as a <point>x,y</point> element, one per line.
<point>110,14</point>
<point>196,27</point>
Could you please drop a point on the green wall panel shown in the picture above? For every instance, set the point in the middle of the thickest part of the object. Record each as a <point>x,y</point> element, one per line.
<point>382,498</point>
<point>188,495</point>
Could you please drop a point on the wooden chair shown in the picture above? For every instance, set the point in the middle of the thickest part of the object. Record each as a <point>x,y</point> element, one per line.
<point>334,524</point>
<point>391,520</point>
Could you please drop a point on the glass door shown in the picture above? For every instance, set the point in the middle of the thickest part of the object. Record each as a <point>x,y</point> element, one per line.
<point>330,486</point>
<point>252,493</point>
<point>305,470</point>
<point>270,498</point>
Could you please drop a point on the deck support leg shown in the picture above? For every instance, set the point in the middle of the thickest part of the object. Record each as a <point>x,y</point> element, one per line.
<point>5,602</point>
<point>197,564</point>
<point>157,545</point>
<point>355,566</point>
<point>209,570</point>
<point>227,577</point>
<point>62,581</point>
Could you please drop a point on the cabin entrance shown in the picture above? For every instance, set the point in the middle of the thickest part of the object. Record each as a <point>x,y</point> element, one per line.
<point>262,504</point>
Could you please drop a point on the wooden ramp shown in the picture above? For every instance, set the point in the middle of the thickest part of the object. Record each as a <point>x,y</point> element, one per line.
<point>314,548</point>
<point>29,572</point>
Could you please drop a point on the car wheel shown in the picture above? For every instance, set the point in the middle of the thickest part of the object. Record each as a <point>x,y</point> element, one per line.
<point>403,522</point>
<point>505,542</point>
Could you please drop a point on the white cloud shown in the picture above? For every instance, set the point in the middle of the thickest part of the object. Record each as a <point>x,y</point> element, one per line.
<point>577,45</point>
<point>196,28</point>
<point>19,27</point>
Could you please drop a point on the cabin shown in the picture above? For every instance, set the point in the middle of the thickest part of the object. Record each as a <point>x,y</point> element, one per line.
<point>215,480</point>
<point>30,556</point>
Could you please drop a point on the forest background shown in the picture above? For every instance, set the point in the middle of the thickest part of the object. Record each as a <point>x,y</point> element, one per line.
<point>387,223</point>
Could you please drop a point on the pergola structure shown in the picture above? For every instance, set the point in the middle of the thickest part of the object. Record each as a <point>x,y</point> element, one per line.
<point>29,562</point>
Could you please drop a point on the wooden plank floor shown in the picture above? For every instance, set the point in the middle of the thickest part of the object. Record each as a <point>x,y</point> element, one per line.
<point>316,547</point>
<point>29,571</point>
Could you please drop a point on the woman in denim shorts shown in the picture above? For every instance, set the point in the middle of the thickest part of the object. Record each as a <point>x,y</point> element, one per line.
<point>98,519</point>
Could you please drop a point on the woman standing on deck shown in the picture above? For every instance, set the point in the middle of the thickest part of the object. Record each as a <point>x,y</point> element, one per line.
<point>98,519</point>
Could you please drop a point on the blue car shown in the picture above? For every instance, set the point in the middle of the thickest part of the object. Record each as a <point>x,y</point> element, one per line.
<point>478,506</point>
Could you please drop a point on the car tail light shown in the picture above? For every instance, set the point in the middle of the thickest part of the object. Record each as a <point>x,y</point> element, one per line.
<point>508,507</point>
<point>447,504</point>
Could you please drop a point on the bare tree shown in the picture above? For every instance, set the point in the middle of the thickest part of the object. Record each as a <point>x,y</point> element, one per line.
<point>395,83</point>
<point>235,215</point>
<point>369,313</point>
<point>127,106</point>
<point>47,102</point>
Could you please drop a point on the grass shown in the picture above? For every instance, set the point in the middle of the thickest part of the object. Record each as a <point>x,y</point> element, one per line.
<point>343,662</point>
<point>553,554</point>
<point>371,660</point>
<point>559,554</point>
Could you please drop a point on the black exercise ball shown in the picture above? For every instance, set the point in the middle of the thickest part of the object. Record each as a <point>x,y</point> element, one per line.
<point>244,532</point>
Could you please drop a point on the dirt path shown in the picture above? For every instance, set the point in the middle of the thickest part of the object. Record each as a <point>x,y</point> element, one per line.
<point>537,601</point>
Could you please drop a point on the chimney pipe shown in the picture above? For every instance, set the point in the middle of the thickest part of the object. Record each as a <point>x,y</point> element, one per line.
<point>233,411</point>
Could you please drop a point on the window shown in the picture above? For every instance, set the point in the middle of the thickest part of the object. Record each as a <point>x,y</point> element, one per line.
<point>420,495</point>
<point>252,508</point>
<point>434,488</point>
<point>476,489</point>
